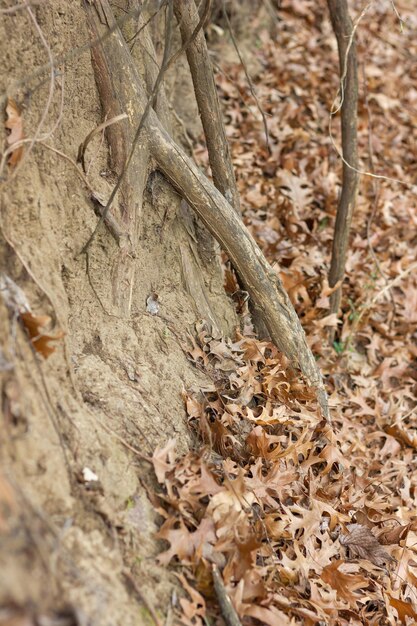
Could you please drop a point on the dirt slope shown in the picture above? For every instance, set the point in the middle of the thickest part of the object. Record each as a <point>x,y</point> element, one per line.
<point>66,542</point>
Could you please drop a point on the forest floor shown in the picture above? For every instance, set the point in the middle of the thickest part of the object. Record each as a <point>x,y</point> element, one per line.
<point>299,521</point>
<point>311,524</point>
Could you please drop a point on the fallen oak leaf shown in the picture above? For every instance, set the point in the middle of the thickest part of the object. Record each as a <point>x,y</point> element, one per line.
<point>328,320</point>
<point>188,546</point>
<point>14,123</point>
<point>345,584</point>
<point>164,459</point>
<point>362,543</point>
<point>402,435</point>
<point>34,325</point>
<point>295,188</point>
<point>404,609</point>
<point>194,607</point>
<point>332,455</point>
<point>267,615</point>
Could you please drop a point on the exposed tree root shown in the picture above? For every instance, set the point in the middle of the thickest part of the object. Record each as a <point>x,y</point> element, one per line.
<point>257,276</point>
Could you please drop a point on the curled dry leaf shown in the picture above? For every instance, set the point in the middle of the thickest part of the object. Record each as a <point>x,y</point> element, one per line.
<point>400,432</point>
<point>192,609</point>
<point>14,124</point>
<point>18,304</point>
<point>34,325</point>
<point>389,535</point>
<point>363,544</point>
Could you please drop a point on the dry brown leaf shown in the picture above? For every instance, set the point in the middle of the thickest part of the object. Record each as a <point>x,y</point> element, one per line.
<point>363,544</point>
<point>404,609</point>
<point>264,445</point>
<point>269,616</point>
<point>393,534</point>
<point>403,435</point>
<point>187,546</point>
<point>332,454</point>
<point>34,325</point>
<point>295,188</point>
<point>344,583</point>
<point>14,123</point>
<point>331,320</point>
<point>269,486</point>
<point>163,460</point>
<point>192,609</point>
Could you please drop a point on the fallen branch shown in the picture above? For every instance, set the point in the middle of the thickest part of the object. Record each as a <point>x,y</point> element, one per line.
<point>257,276</point>
<point>344,31</point>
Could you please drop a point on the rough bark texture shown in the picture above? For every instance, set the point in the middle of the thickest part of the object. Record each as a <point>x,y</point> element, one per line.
<point>258,278</point>
<point>342,26</point>
<point>117,95</point>
<point>208,102</point>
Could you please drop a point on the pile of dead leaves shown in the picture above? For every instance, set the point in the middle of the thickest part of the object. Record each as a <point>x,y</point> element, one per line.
<point>279,504</point>
<point>308,524</point>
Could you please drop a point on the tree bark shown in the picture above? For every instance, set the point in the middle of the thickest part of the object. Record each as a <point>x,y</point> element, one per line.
<point>116,96</point>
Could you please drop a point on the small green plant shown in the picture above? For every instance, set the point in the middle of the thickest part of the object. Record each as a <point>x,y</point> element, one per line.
<point>323,223</point>
<point>339,346</point>
<point>130,503</point>
<point>354,313</point>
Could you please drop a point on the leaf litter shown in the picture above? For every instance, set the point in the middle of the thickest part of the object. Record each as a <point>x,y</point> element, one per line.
<point>14,124</point>
<point>309,524</point>
<point>34,325</point>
